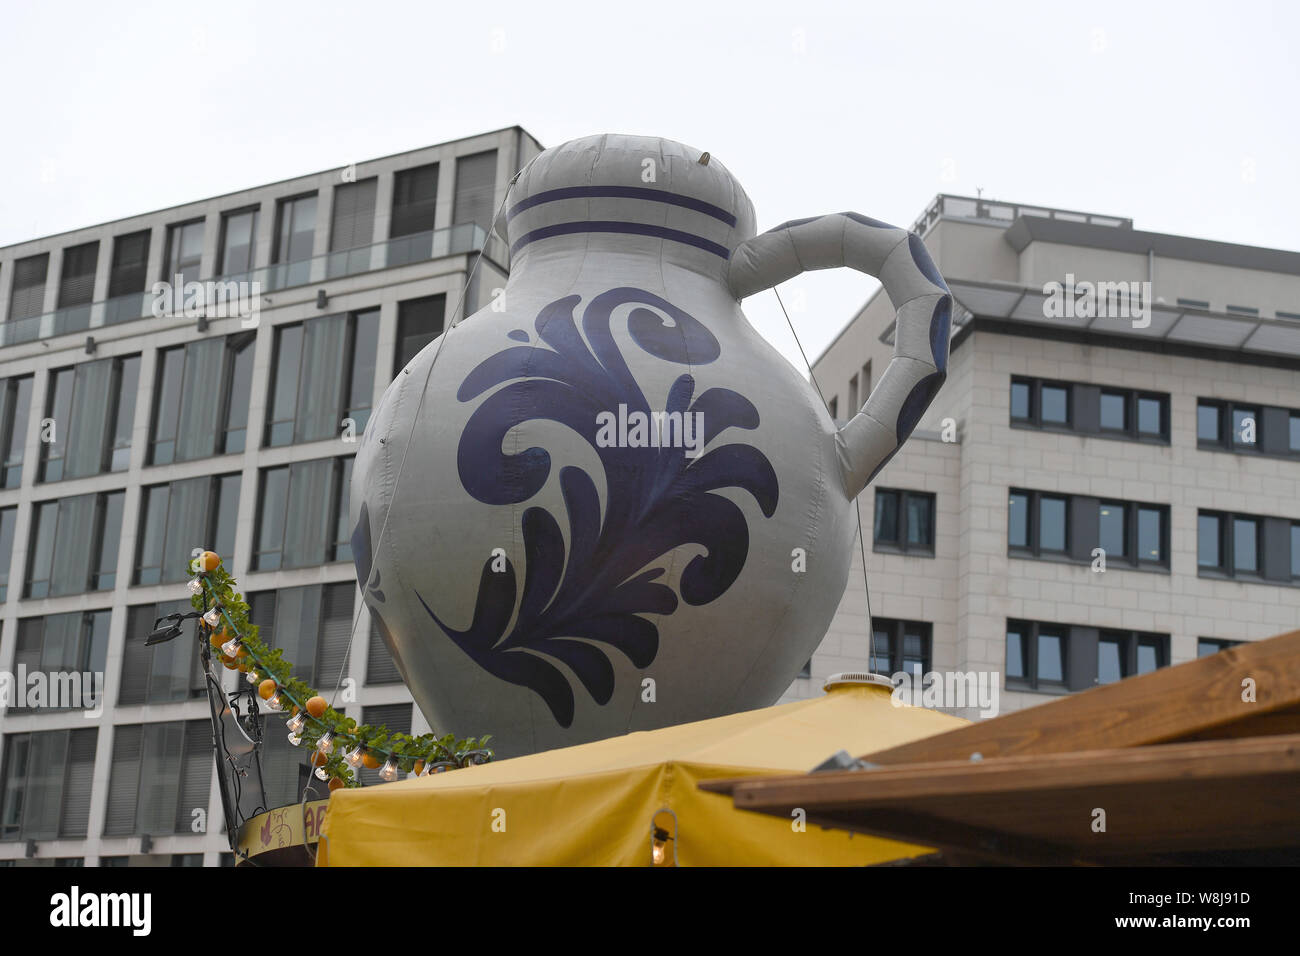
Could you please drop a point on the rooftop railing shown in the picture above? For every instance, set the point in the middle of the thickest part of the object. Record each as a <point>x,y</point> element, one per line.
<point>966,207</point>
<point>390,254</point>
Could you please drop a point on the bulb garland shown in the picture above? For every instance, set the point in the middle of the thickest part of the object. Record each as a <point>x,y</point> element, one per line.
<point>337,744</point>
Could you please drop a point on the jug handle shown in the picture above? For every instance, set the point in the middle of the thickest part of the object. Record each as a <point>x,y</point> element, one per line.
<point>922,327</point>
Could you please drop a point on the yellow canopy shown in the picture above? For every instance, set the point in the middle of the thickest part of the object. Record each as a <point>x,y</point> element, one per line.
<point>592,805</point>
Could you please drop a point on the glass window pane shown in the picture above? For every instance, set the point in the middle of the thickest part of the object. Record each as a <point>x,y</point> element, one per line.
<point>226,512</point>
<point>1204,647</point>
<point>1295,551</point>
<point>196,429</point>
<point>1020,400</point>
<point>167,405</point>
<point>1056,405</point>
<point>1148,658</point>
<point>887,517</point>
<point>1245,426</point>
<point>1018,521</point>
<point>284,390</point>
<point>8,519</point>
<point>19,410</point>
<point>124,421</point>
<point>364,354</point>
<point>342,527</point>
<point>110,536</point>
<point>272,508</point>
<point>1150,416</point>
<point>1294,440</point>
<point>1110,661</point>
<point>1051,527</point>
<point>920,521</point>
<point>1207,541</point>
<point>310,517</point>
<point>1111,525</point>
<point>240,358</point>
<point>320,382</point>
<point>1245,544</point>
<point>1114,411</point>
<point>883,651</point>
<point>1015,653</point>
<point>1151,534</point>
<point>1207,422</point>
<point>1051,656</point>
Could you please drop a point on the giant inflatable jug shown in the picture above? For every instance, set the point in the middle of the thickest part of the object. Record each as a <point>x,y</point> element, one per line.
<point>604,503</point>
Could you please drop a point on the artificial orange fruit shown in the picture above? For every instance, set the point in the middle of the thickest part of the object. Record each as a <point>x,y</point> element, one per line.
<point>266,689</point>
<point>318,759</point>
<point>418,768</point>
<point>316,706</point>
<point>230,662</point>
<point>335,783</point>
<point>370,760</point>
<point>209,561</point>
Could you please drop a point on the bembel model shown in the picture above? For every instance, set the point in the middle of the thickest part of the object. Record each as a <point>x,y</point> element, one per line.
<point>603,502</point>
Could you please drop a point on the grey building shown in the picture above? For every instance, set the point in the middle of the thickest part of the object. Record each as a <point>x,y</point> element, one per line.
<point>1112,393</point>
<point>129,437</point>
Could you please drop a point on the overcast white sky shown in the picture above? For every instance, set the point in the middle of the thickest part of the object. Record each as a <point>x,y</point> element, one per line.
<point>1182,116</point>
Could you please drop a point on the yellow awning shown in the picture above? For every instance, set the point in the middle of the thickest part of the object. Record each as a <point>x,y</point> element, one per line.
<point>593,805</point>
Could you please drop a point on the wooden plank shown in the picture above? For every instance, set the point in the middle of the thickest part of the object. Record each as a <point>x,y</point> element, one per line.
<point>1225,795</point>
<point>1199,699</point>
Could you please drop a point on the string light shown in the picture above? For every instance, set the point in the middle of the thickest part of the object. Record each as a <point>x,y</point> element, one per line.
<point>389,773</point>
<point>231,647</point>
<point>297,722</point>
<point>195,586</point>
<point>295,739</point>
<point>326,744</point>
<point>212,618</point>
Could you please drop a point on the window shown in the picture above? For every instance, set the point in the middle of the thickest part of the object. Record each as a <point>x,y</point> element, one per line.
<point>1153,416</point>
<point>1037,655</point>
<point>904,521</point>
<point>15,409</point>
<point>201,398</point>
<point>866,382</point>
<point>475,183</point>
<point>380,666</point>
<point>1242,309</point>
<point>323,372</point>
<point>165,672</point>
<point>129,271</point>
<point>806,670</point>
<point>1037,523</point>
<point>419,322</point>
<point>1114,411</point>
<point>184,252</point>
<point>27,300</point>
<point>1123,654</point>
<point>45,784</point>
<point>1132,532</point>
<point>1247,428</point>
<point>1088,409</point>
<point>853,393</point>
<point>312,625</point>
<point>92,406</point>
<point>901,646</point>
<point>1209,417</point>
<point>238,242</point>
<point>352,222</point>
<point>1229,544</point>
<point>1055,404</point>
<point>295,232</point>
<point>77,284</point>
<point>397,718</point>
<point>177,518</point>
<point>1295,549</point>
<point>415,195</point>
<point>1293,435</point>
<point>303,517</point>
<point>1205,646</point>
<point>161,773</point>
<point>8,519</point>
<point>1021,401</point>
<point>75,643</point>
<point>1194,303</point>
<point>834,407</point>
<point>73,545</point>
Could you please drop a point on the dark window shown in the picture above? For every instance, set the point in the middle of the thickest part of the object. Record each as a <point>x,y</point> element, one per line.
<point>15,409</point>
<point>184,252</point>
<point>1114,411</point>
<point>1209,419</point>
<point>73,546</point>
<point>1205,646</point>
<point>1021,405</point>
<point>901,646</point>
<point>1018,520</point>
<point>72,643</point>
<point>853,393</point>
<point>8,519</point>
<point>300,510</point>
<point>475,183</point>
<point>904,521</point>
<point>323,372</point>
<point>238,242</point>
<point>1039,403</point>
<point>352,222</point>
<point>1112,529</point>
<point>92,406</point>
<point>161,774</point>
<point>1293,437</point>
<point>1123,654</point>
<point>27,299</point>
<point>1037,655</point>
<point>415,195</point>
<point>380,666</point>
<point>130,267</point>
<point>1152,417</point>
<point>1194,303</point>
<point>397,718</point>
<point>1229,544</point>
<point>1245,427</point>
<point>295,232</point>
<point>311,625</point>
<point>45,784</point>
<point>1152,534</point>
<point>77,284</point>
<point>1038,523</point>
<point>834,408</point>
<point>1055,403</point>
<point>419,322</point>
<point>1052,524</point>
<point>1295,550</point>
<point>164,673</point>
<point>181,516</point>
<point>1133,532</point>
<point>201,399</point>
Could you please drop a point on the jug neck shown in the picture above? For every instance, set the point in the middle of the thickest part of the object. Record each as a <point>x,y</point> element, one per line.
<point>609,249</point>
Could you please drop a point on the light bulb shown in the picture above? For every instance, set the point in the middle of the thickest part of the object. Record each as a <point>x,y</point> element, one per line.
<point>389,773</point>
<point>212,618</point>
<point>326,743</point>
<point>658,853</point>
<point>322,773</point>
<point>353,756</point>
<point>231,647</point>
<point>659,846</point>
<point>253,677</point>
<point>275,704</point>
<point>196,587</point>
<point>297,722</point>
<point>295,740</point>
